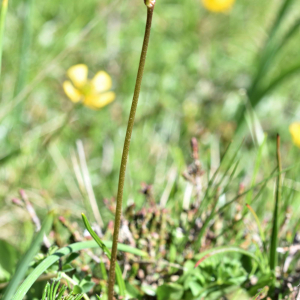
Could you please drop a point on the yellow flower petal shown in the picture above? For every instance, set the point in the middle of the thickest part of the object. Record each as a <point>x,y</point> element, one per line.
<point>218,5</point>
<point>101,82</point>
<point>78,75</point>
<point>295,133</point>
<point>100,100</point>
<point>71,92</point>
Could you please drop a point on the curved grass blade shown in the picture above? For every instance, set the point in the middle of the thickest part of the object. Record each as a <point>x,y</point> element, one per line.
<point>268,53</point>
<point>27,258</point>
<point>275,82</point>
<point>209,253</point>
<point>265,61</point>
<point>51,259</point>
<point>261,233</point>
<point>282,12</point>
<point>120,280</point>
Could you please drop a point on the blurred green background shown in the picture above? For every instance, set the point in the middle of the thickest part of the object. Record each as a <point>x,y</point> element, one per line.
<point>199,65</point>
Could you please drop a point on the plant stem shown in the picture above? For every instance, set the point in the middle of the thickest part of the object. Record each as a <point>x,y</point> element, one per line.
<point>111,281</point>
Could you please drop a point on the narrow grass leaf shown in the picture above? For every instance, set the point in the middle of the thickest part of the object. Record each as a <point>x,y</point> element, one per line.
<point>256,168</point>
<point>284,74</point>
<point>27,258</point>
<point>268,53</point>
<point>211,181</point>
<point>281,13</point>
<point>261,232</point>
<point>264,181</point>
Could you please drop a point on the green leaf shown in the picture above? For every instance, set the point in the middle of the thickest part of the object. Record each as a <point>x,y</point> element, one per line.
<point>171,291</point>
<point>26,260</point>
<point>67,268</point>
<point>131,290</point>
<point>148,290</point>
<point>87,286</point>
<point>8,256</point>
<point>195,288</point>
<point>77,289</point>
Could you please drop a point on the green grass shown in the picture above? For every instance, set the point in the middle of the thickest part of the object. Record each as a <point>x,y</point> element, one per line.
<point>198,68</point>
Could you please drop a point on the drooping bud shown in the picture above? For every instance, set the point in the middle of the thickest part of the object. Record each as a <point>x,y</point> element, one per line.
<point>150,3</point>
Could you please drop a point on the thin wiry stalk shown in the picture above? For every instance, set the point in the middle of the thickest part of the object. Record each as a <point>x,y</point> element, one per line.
<point>150,8</point>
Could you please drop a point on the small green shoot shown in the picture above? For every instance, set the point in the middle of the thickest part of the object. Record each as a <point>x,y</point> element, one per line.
<point>120,280</point>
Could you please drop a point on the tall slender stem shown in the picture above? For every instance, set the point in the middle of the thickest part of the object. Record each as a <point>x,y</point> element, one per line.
<point>111,281</point>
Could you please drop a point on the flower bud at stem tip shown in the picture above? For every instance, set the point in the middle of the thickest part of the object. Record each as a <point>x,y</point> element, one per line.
<point>149,3</point>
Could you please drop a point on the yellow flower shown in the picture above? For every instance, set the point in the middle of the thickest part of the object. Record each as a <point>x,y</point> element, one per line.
<point>295,133</point>
<point>218,5</point>
<point>93,93</point>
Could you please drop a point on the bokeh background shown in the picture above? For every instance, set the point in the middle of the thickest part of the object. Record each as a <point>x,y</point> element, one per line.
<point>198,67</point>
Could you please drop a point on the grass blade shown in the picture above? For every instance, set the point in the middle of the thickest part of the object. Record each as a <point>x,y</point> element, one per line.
<point>261,232</point>
<point>211,182</point>
<point>2,26</point>
<point>256,168</point>
<point>51,259</point>
<point>276,81</point>
<point>27,258</point>
<point>45,291</point>
<point>264,181</point>
<point>282,11</point>
<point>265,61</point>
<point>268,54</point>
<point>274,237</point>
<point>120,280</point>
